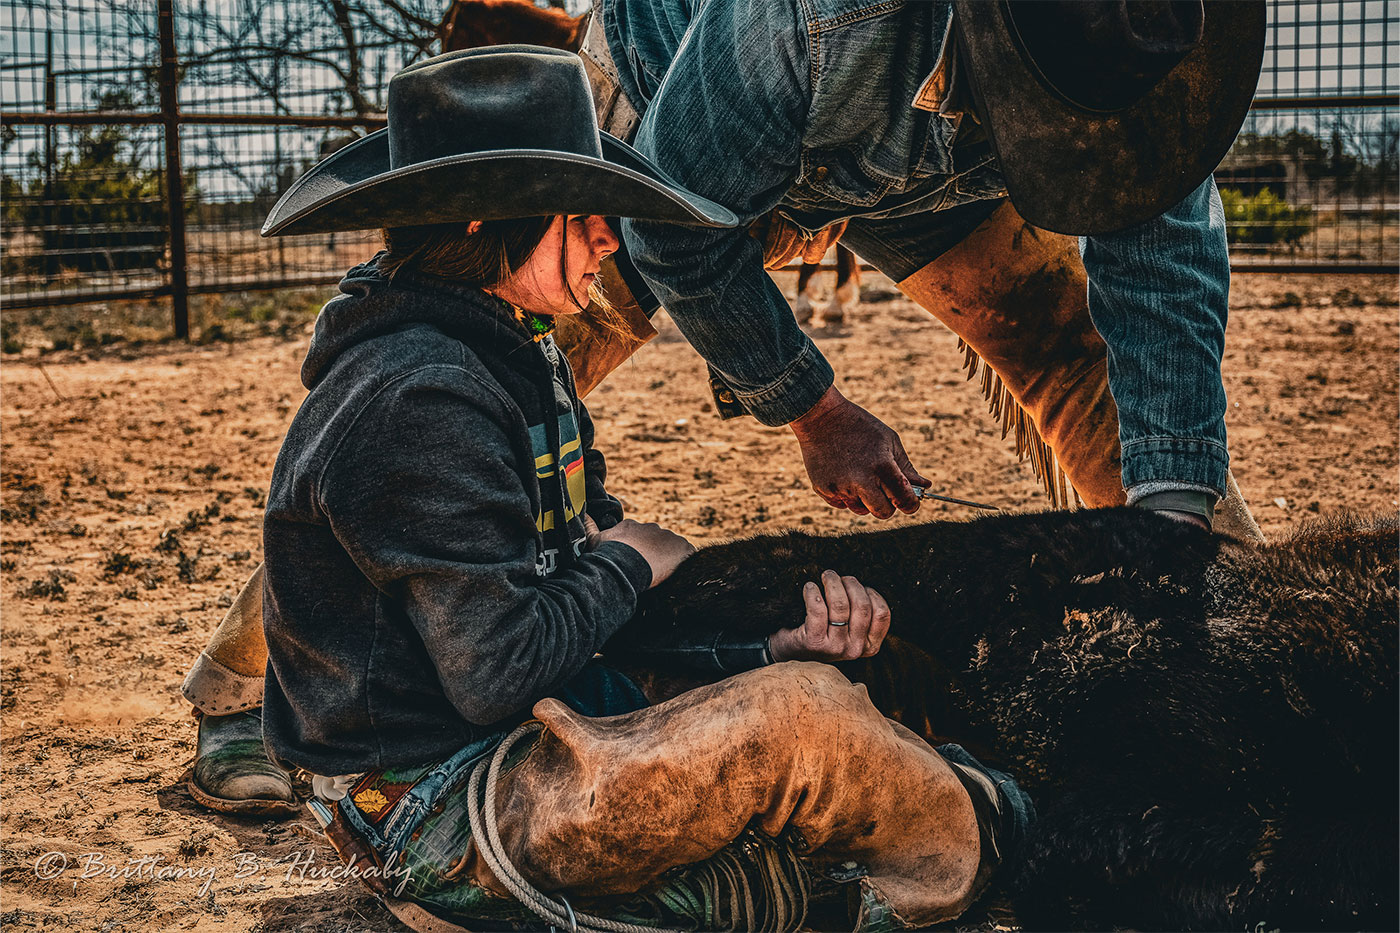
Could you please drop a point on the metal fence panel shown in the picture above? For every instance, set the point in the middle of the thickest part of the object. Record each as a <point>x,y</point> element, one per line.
<point>243,171</point>
<point>1311,181</point>
<point>266,87</point>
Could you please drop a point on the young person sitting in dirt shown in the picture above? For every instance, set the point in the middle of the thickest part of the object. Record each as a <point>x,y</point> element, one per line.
<point>922,192</point>
<point>442,557</point>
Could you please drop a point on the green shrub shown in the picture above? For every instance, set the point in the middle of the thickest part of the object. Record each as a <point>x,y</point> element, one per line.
<point>10,341</point>
<point>1264,217</point>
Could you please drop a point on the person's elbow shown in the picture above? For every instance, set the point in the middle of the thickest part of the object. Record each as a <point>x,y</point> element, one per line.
<point>484,704</point>
<point>504,682</point>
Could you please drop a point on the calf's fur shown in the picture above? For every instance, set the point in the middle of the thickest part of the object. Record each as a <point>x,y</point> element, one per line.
<point>1208,729</point>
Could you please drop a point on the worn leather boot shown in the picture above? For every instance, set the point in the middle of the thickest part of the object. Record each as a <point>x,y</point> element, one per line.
<point>232,773</point>
<point>227,677</point>
<point>609,806</point>
<point>1232,515</point>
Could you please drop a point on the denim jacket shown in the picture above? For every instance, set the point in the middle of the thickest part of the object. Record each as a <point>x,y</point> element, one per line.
<point>808,106</point>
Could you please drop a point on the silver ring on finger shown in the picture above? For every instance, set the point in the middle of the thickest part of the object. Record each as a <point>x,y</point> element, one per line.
<point>838,624</point>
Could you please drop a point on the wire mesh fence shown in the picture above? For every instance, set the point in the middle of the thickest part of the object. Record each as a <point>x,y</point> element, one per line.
<point>1311,181</point>
<point>254,91</point>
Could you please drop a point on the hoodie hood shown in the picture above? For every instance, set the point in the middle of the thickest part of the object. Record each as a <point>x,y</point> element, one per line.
<point>370,305</point>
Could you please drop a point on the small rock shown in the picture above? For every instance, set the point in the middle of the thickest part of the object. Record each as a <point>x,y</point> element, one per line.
<point>1281,502</point>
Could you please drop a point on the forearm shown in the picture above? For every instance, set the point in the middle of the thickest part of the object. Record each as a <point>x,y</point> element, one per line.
<point>713,285</point>
<point>1158,294</point>
<point>727,122</point>
<point>498,658</point>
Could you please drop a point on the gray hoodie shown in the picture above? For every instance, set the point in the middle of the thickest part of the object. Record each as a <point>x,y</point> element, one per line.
<point>427,578</point>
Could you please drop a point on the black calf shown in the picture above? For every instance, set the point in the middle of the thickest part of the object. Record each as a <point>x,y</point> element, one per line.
<point>1209,730</point>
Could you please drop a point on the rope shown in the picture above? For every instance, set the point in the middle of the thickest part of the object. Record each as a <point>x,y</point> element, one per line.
<point>488,843</point>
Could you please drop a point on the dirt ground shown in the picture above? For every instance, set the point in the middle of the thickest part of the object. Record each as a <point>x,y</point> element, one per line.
<point>132,503</point>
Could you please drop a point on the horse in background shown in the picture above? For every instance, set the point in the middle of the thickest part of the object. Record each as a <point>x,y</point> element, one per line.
<point>844,298</point>
<point>471,24</point>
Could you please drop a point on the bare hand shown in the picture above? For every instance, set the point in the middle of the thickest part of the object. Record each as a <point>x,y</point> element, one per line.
<point>850,621</point>
<point>664,550</point>
<point>854,461</point>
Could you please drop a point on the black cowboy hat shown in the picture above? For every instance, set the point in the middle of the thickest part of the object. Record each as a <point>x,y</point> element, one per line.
<point>486,134</point>
<point>1104,114</point>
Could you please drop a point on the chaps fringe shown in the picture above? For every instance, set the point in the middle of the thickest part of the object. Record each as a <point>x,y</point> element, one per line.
<point>1029,444</point>
<point>754,883</point>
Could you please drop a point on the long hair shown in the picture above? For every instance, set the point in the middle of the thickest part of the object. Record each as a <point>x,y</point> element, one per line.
<point>486,258</point>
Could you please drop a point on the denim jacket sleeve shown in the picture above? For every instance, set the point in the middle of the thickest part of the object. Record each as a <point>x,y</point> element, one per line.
<point>727,122</point>
<point>1159,296</point>
<point>444,528</point>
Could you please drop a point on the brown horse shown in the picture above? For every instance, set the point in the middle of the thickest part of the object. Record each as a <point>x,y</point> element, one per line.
<point>470,24</point>
<point>843,300</point>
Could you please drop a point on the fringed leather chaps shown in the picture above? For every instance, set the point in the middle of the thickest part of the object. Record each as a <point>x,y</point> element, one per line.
<point>1017,297</point>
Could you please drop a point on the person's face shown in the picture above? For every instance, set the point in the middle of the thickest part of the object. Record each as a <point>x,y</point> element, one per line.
<point>557,276</point>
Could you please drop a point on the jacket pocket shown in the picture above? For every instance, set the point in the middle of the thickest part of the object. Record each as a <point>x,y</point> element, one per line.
<point>648,81</point>
<point>937,156</point>
<point>980,183</point>
<point>400,823</point>
<point>834,175</point>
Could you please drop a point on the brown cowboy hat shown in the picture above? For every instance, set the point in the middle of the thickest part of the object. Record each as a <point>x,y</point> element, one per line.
<point>1104,114</point>
<point>486,134</point>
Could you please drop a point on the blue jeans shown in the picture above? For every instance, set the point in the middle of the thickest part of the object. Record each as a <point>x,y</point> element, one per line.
<point>1158,295</point>
<point>806,108</point>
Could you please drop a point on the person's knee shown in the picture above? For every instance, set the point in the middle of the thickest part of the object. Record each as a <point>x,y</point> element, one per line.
<point>803,693</point>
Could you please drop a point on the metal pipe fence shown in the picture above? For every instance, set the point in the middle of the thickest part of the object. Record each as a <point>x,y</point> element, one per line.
<point>142,143</point>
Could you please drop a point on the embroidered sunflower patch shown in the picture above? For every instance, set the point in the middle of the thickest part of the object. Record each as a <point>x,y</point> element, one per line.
<point>371,802</point>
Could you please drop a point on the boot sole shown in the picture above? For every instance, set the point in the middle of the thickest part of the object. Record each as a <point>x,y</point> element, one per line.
<point>420,919</point>
<point>278,808</point>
